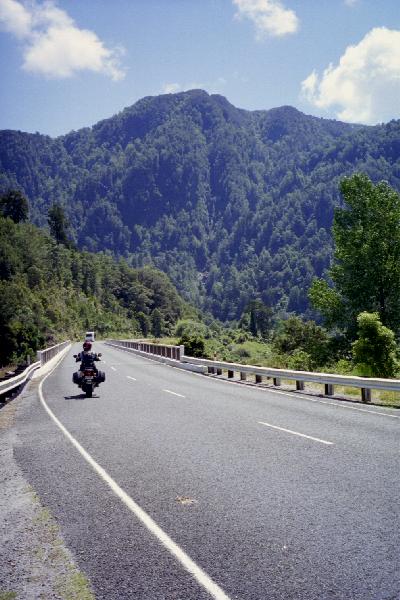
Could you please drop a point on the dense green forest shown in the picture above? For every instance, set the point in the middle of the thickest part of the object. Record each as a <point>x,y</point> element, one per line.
<point>235,206</point>
<point>49,292</point>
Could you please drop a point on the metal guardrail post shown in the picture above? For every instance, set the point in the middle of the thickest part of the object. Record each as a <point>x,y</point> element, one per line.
<point>366,395</point>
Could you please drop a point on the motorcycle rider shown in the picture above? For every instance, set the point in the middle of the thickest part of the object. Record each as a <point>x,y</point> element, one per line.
<point>87,359</point>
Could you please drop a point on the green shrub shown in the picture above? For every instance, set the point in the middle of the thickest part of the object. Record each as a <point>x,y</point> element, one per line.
<point>194,345</point>
<point>375,350</point>
<point>299,360</point>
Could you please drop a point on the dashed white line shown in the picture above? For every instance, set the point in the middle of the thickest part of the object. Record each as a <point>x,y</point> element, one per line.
<point>309,437</point>
<point>129,377</point>
<point>113,368</point>
<point>184,559</point>
<point>174,393</point>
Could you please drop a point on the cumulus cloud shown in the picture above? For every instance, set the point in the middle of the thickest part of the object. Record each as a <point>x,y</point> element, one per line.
<point>270,17</point>
<point>171,88</point>
<point>53,45</point>
<point>365,86</point>
<point>15,18</point>
<point>213,87</point>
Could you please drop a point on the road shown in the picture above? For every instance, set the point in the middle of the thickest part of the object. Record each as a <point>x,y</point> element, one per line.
<point>181,486</point>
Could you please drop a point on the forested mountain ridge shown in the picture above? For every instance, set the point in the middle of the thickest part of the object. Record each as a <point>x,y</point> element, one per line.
<point>233,205</point>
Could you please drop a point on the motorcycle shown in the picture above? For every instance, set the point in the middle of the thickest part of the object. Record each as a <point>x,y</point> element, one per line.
<point>89,379</point>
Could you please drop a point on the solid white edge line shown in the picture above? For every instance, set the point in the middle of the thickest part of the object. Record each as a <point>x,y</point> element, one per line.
<point>309,437</point>
<point>174,393</point>
<point>129,377</point>
<point>304,397</point>
<point>197,572</point>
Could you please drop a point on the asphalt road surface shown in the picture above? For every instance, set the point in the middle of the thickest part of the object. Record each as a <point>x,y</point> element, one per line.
<point>169,485</point>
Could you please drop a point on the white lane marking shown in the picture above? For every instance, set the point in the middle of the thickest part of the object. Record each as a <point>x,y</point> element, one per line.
<point>113,368</point>
<point>174,393</point>
<point>309,437</point>
<point>129,377</point>
<point>184,559</point>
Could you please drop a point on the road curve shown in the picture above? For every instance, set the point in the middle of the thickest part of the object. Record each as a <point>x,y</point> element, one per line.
<point>269,496</point>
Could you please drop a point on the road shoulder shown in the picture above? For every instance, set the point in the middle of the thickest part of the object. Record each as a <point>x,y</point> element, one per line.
<point>36,563</point>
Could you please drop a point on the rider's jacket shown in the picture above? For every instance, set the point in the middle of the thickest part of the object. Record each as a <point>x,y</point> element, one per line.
<point>87,360</point>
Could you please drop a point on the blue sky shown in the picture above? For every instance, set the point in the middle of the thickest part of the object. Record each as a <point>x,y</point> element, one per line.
<point>68,64</point>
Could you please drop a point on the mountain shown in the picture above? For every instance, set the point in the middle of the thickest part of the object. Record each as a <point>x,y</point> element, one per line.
<point>232,204</point>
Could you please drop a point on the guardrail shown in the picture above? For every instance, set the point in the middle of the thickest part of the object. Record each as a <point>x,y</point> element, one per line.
<point>43,356</point>
<point>327,380</point>
<point>165,350</point>
<point>12,384</point>
<point>365,384</point>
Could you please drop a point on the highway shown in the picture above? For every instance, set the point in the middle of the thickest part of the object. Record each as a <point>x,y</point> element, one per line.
<point>169,485</point>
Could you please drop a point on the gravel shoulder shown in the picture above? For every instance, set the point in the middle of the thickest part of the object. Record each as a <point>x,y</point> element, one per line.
<point>36,564</point>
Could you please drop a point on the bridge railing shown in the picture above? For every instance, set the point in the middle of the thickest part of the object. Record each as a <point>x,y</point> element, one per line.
<point>43,356</point>
<point>326,380</point>
<point>12,384</point>
<point>164,350</point>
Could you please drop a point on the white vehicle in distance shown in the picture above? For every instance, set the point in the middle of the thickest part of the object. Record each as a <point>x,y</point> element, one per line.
<point>89,336</point>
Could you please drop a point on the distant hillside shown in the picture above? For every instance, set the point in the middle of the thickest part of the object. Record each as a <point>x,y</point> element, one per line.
<point>231,204</point>
<point>49,293</point>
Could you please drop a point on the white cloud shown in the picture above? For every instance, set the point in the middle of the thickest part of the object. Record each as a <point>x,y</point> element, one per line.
<point>15,18</point>
<point>351,2</point>
<point>365,86</point>
<point>171,88</point>
<point>213,87</point>
<point>268,16</point>
<point>53,45</point>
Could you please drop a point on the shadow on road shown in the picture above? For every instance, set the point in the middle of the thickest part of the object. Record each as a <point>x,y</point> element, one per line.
<point>78,397</point>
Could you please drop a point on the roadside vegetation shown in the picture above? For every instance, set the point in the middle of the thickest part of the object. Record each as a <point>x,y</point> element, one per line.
<point>358,302</point>
<point>50,290</point>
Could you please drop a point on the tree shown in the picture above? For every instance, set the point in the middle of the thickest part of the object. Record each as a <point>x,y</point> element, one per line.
<point>375,350</point>
<point>257,318</point>
<point>157,323</point>
<point>13,204</point>
<point>366,268</point>
<point>144,323</point>
<point>58,224</point>
<point>295,335</point>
